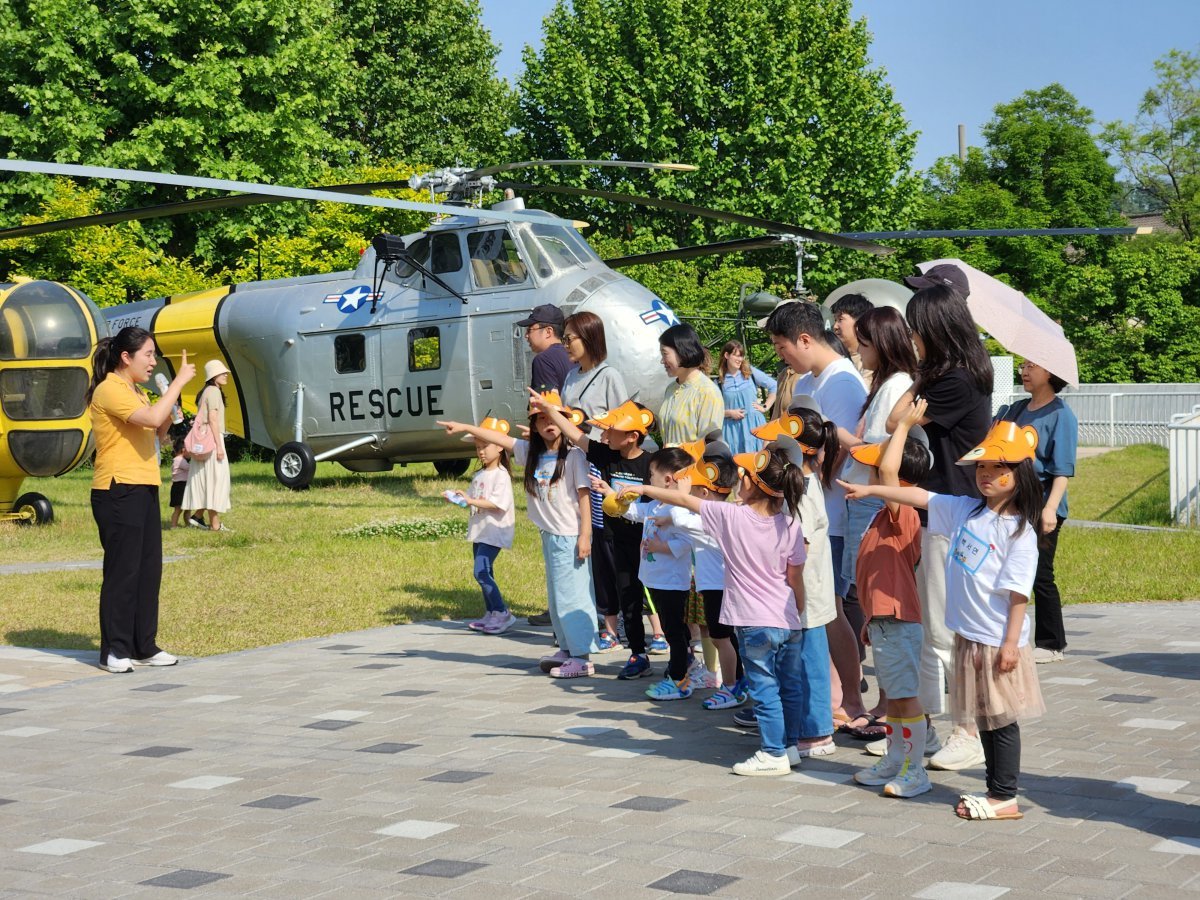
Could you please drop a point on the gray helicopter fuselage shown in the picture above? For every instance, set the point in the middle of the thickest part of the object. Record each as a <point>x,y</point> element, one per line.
<point>312,352</point>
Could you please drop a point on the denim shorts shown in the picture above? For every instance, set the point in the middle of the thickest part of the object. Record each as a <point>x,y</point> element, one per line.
<point>896,647</point>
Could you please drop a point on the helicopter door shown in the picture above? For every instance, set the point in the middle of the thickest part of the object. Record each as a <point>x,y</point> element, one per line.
<point>426,377</point>
<point>343,396</point>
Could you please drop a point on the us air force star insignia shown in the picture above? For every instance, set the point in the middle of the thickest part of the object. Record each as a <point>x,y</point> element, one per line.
<point>349,301</point>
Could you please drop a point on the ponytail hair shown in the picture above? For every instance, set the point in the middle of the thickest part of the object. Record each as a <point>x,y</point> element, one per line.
<point>107,357</point>
<point>822,435</point>
<point>783,476</point>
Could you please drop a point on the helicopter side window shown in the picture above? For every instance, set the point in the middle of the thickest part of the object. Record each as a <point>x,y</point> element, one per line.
<point>349,353</point>
<point>495,260</point>
<point>424,349</point>
<point>557,244</point>
<point>446,255</point>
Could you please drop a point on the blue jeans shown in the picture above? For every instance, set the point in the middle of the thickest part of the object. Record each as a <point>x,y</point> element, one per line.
<point>816,715</point>
<point>485,556</point>
<point>569,592</point>
<point>772,659</point>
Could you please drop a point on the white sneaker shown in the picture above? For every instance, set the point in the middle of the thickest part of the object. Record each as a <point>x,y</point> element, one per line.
<point>699,677</point>
<point>116,664</point>
<point>161,658</point>
<point>763,764</point>
<point>1046,655</point>
<point>880,773</point>
<point>961,751</point>
<point>910,784</point>
<point>483,622</point>
<point>932,744</point>
<point>501,622</point>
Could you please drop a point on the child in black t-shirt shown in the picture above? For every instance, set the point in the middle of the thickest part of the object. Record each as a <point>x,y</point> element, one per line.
<point>622,462</point>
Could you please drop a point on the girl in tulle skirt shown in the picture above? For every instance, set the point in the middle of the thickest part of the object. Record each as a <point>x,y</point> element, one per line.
<point>989,576</point>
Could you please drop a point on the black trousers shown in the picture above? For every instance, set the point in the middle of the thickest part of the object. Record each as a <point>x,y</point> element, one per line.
<point>1048,630</point>
<point>626,557</point>
<point>671,608</point>
<point>712,618</point>
<point>604,573</point>
<point>131,534</point>
<point>1002,759</point>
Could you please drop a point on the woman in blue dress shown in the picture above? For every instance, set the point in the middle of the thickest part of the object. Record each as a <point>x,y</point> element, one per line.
<point>740,383</point>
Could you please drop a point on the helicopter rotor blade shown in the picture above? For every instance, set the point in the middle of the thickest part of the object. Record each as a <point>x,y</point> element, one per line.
<point>614,163</point>
<point>716,249</point>
<point>270,190</point>
<point>995,232</point>
<point>183,207</point>
<point>823,237</point>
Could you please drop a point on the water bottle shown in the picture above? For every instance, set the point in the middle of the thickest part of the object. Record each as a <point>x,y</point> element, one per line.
<point>160,381</point>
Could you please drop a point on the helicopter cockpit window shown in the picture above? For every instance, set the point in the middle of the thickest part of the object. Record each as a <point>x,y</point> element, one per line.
<point>446,253</point>
<point>42,320</point>
<point>495,260</point>
<point>349,353</point>
<point>555,245</point>
<point>43,393</point>
<point>420,252</point>
<point>424,349</point>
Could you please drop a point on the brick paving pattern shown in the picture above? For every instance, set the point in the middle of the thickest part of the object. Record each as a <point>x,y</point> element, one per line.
<point>425,760</point>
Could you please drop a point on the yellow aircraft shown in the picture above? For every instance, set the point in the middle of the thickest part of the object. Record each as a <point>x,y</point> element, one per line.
<point>47,332</point>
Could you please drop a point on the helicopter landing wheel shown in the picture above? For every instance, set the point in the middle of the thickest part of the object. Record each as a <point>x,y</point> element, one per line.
<point>451,468</point>
<point>33,509</point>
<point>295,465</point>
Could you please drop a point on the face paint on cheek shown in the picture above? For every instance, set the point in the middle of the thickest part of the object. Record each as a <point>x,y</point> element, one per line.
<point>1005,481</point>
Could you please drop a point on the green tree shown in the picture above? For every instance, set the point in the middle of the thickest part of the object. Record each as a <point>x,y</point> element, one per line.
<point>103,262</point>
<point>425,83</point>
<point>776,102</point>
<point>240,89</point>
<point>1161,147</point>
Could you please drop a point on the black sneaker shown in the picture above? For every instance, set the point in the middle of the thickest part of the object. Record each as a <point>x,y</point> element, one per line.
<point>542,618</point>
<point>745,717</point>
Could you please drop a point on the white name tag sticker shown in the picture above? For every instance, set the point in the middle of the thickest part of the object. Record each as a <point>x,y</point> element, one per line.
<point>970,550</point>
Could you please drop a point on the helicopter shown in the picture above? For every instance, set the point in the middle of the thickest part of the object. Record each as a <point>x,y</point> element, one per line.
<point>356,366</point>
<point>47,334</point>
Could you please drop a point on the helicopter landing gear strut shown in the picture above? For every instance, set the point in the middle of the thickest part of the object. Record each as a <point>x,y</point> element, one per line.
<point>295,465</point>
<point>32,509</point>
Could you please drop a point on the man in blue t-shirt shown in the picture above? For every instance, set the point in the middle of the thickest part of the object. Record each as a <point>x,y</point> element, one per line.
<point>544,331</point>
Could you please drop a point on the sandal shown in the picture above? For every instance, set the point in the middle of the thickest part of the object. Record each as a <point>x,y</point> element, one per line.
<point>872,731</point>
<point>978,808</point>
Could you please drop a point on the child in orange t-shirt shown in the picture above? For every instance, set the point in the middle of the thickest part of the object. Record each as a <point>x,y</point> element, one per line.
<point>887,590</point>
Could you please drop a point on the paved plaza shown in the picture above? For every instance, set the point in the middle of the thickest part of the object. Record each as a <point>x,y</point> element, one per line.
<point>424,760</point>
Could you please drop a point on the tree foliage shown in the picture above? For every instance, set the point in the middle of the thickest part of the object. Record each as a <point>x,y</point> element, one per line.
<point>425,87</point>
<point>775,101</point>
<point>1131,308</point>
<point>1161,147</point>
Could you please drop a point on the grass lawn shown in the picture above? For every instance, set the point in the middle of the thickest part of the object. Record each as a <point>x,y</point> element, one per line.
<point>294,568</point>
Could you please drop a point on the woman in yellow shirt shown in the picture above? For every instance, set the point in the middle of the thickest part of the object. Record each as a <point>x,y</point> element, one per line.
<point>125,482</point>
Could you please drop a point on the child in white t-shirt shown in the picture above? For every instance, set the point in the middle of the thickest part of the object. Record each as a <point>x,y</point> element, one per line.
<point>559,504</point>
<point>491,524</point>
<point>989,576</point>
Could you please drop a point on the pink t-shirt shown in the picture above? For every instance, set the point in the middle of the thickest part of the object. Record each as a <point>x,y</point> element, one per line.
<point>757,553</point>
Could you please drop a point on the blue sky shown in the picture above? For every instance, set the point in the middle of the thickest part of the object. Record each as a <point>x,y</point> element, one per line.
<point>952,61</point>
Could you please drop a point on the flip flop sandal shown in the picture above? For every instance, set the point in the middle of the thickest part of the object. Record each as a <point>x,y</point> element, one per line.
<point>872,731</point>
<point>978,808</point>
